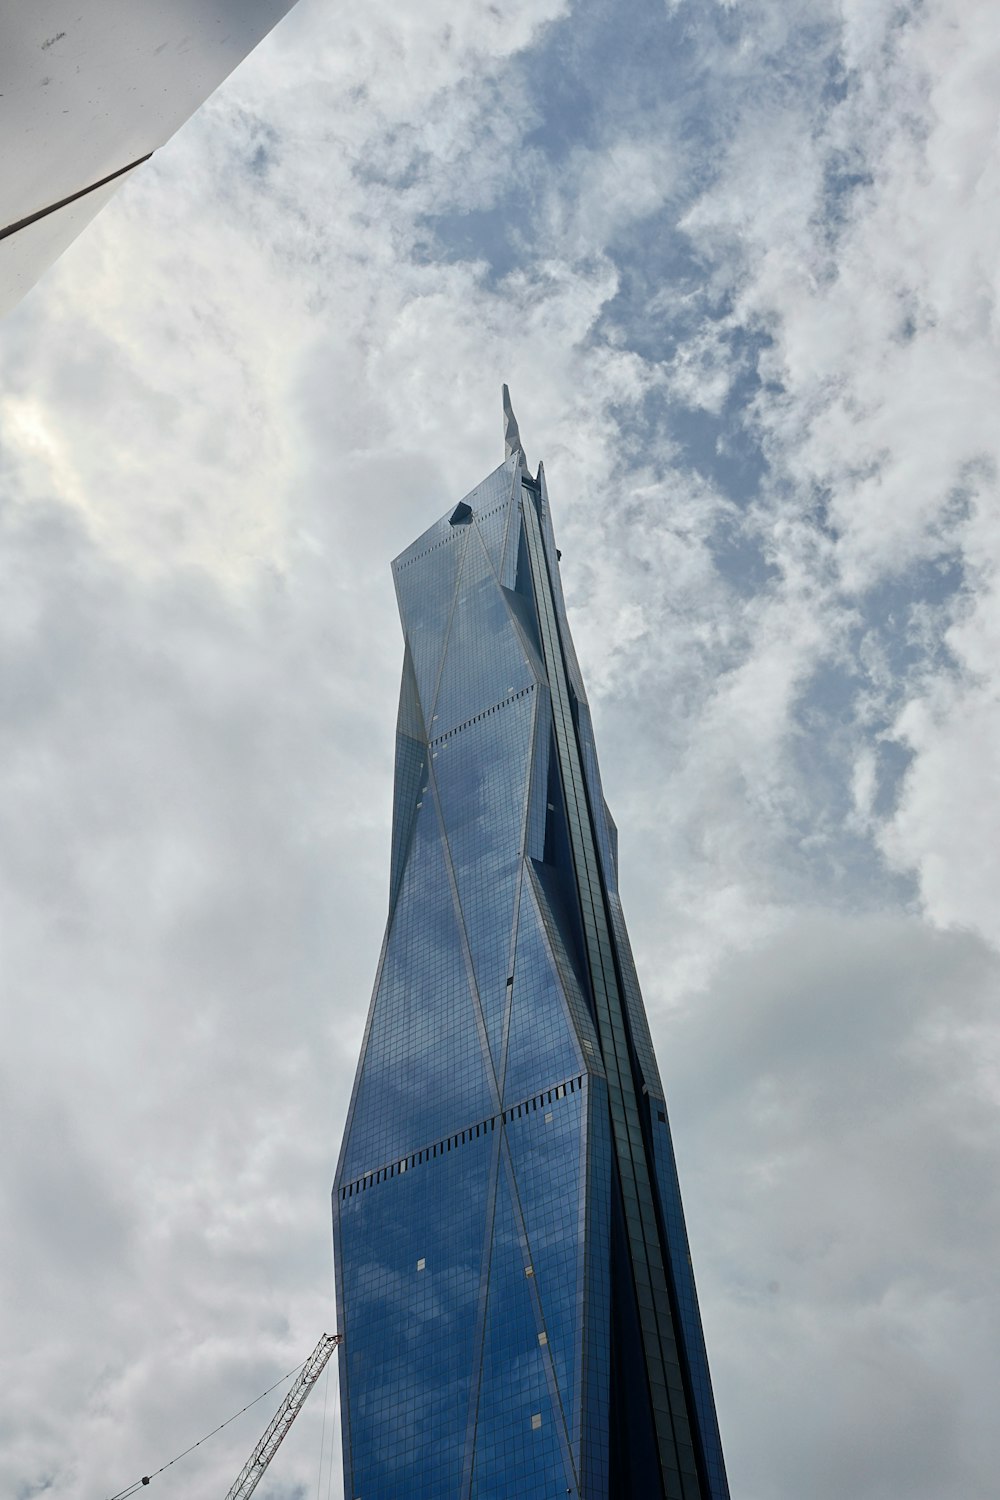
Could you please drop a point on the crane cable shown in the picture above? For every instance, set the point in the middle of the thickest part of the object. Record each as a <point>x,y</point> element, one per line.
<point>138,1483</point>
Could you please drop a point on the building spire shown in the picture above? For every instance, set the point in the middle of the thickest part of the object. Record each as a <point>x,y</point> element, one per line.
<point>511,436</point>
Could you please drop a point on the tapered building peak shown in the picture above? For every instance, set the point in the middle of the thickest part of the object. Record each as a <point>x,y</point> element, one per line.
<point>511,436</point>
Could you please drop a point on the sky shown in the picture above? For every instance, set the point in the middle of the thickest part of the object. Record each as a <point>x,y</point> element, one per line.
<point>738,263</point>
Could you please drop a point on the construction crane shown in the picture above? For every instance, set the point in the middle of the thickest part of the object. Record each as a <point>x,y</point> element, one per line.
<point>308,1373</point>
<point>256,1465</point>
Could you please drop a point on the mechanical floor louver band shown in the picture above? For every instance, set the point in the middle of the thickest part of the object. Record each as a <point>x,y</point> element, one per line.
<point>513,1276</point>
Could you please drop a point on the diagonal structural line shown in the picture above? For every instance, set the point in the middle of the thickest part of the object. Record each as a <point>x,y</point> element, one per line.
<point>479,1345</point>
<point>512,534</point>
<point>495,1066</point>
<point>511,506</point>
<point>511,974</point>
<point>584,1253</point>
<point>512,514</point>
<point>582,1024</point>
<point>451,616</point>
<point>516,914</point>
<point>585,1055</point>
<point>470,968</point>
<point>404,853</point>
<point>555,1395</point>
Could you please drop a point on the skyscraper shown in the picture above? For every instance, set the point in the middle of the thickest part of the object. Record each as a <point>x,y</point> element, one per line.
<point>513,1277</point>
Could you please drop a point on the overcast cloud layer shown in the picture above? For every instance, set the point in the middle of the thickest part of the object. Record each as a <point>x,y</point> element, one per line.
<point>739,265</point>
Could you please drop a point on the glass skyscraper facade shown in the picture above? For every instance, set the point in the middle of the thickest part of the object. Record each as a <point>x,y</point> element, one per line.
<point>513,1278</point>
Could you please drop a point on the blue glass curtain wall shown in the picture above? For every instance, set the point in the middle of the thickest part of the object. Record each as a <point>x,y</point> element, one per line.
<point>506,1163</point>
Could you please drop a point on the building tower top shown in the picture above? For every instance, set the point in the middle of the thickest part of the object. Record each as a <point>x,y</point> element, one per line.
<point>511,435</point>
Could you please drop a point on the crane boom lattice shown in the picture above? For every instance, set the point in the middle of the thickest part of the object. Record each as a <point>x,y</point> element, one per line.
<point>256,1465</point>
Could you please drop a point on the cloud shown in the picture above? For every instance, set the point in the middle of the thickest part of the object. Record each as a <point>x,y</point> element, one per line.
<point>180,886</point>
<point>837,1090</point>
<point>943,826</point>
